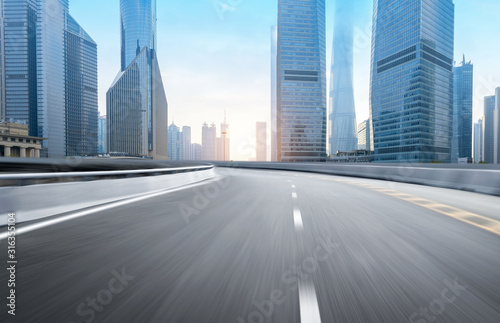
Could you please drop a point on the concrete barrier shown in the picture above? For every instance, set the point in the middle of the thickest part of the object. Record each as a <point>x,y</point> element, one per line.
<point>475,178</point>
<point>34,202</point>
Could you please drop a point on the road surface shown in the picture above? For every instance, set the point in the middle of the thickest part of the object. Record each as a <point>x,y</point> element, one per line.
<point>267,246</point>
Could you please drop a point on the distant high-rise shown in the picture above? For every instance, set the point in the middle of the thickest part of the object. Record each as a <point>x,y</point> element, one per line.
<point>412,80</point>
<point>488,130</point>
<point>496,128</point>
<point>186,143</point>
<point>274,89</point>
<point>175,143</point>
<point>364,135</point>
<point>196,151</point>
<point>301,81</point>
<point>101,141</point>
<point>208,142</point>
<point>136,102</point>
<point>343,130</point>
<point>462,111</point>
<point>223,142</point>
<point>478,141</point>
<point>261,141</point>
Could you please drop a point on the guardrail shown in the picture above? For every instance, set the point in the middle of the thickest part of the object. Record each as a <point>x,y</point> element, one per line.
<point>475,178</point>
<point>64,192</point>
<point>58,177</point>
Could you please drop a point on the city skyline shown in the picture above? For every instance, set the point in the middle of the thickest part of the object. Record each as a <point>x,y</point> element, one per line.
<point>226,40</point>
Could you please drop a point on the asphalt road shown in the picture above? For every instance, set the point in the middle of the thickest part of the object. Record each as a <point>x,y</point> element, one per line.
<point>266,246</point>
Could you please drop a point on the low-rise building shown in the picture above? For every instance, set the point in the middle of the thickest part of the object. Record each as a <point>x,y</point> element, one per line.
<point>15,141</point>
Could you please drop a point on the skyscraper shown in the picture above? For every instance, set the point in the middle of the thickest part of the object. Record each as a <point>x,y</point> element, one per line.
<point>175,143</point>
<point>186,143</point>
<point>496,128</point>
<point>208,142</point>
<point>223,143</point>
<point>136,102</point>
<point>261,141</point>
<point>18,62</point>
<point>488,130</point>
<point>412,80</point>
<point>80,65</point>
<point>343,135</point>
<point>462,111</point>
<point>274,89</point>
<point>101,145</point>
<point>364,135</point>
<point>301,81</point>
<point>478,141</point>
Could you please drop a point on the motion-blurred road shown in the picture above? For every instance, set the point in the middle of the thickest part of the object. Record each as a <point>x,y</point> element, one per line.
<point>268,246</point>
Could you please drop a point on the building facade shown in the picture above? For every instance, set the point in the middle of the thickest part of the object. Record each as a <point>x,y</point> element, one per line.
<point>136,103</point>
<point>364,135</point>
<point>15,141</point>
<point>478,141</point>
<point>411,100</point>
<point>496,128</point>
<point>18,62</point>
<point>48,76</point>
<point>186,143</point>
<point>488,130</point>
<point>209,142</point>
<point>343,132</point>
<point>101,135</point>
<point>175,143</point>
<point>462,111</point>
<point>81,105</point>
<point>301,81</point>
<point>196,151</point>
<point>261,141</point>
<point>274,89</point>
<point>223,143</point>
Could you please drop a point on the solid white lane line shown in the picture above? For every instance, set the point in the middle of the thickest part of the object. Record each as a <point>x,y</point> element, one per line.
<point>297,219</point>
<point>308,303</point>
<point>294,195</point>
<point>78,214</point>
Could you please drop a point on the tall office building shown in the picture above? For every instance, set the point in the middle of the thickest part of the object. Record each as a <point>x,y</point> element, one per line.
<point>175,143</point>
<point>412,80</point>
<point>478,141</point>
<point>208,142</point>
<point>18,63</point>
<point>101,141</point>
<point>343,132</point>
<point>223,143</point>
<point>462,111</point>
<point>81,91</point>
<point>496,128</point>
<point>364,135</point>
<point>274,89</point>
<point>136,102</point>
<point>186,143</point>
<point>488,130</point>
<point>301,81</point>
<point>261,141</point>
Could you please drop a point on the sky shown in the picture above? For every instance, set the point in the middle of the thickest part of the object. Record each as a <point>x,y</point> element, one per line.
<point>215,56</point>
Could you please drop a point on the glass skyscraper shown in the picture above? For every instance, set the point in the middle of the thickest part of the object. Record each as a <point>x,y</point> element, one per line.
<point>412,80</point>
<point>136,102</point>
<point>18,56</point>
<point>462,111</point>
<point>488,129</point>
<point>343,136</point>
<point>175,143</point>
<point>80,61</point>
<point>301,81</point>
